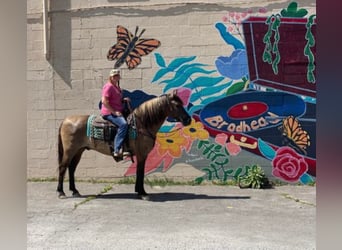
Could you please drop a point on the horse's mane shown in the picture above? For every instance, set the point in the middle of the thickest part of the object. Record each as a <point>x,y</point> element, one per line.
<point>154,110</point>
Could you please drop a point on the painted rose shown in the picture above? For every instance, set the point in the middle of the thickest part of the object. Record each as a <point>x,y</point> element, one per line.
<point>288,165</point>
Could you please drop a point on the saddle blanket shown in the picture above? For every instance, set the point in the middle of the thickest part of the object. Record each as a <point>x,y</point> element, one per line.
<point>101,129</point>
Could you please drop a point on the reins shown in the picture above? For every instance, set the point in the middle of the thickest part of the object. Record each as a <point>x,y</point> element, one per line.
<point>169,133</point>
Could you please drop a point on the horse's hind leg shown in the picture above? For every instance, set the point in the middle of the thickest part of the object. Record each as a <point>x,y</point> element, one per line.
<point>65,163</point>
<point>72,168</point>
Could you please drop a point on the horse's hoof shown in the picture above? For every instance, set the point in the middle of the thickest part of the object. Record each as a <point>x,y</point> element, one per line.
<point>76,194</point>
<point>62,196</point>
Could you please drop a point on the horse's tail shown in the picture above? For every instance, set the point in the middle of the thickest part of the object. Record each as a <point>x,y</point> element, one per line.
<point>60,145</point>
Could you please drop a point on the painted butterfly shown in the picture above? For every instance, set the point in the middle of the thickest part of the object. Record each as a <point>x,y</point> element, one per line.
<point>130,48</point>
<point>292,130</point>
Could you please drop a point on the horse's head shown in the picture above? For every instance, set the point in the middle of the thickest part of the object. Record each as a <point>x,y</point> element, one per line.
<point>176,109</point>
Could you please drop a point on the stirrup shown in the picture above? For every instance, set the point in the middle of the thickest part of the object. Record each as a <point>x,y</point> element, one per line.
<point>126,153</point>
<point>117,157</point>
<point>117,154</point>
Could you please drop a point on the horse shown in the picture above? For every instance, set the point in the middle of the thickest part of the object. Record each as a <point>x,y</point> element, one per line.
<point>149,117</point>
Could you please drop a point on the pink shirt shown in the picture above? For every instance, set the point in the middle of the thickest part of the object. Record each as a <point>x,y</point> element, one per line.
<point>114,95</point>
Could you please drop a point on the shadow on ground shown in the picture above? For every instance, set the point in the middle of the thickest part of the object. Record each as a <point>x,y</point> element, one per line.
<point>163,197</point>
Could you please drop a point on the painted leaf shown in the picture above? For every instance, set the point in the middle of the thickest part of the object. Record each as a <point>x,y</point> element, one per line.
<point>266,150</point>
<point>193,70</point>
<point>215,156</point>
<point>301,13</point>
<point>185,67</point>
<point>204,81</point>
<point>209,100</point>
<point>207,92</point>
<point>210,174</point>
<point>174,82</point>
<point>201,143</point>
<point>160,73</point>
<point>160,60</point>
<point>195,108</point>
<point>166,128</point>
<point>224,162</point>
<point>181,79</point>
<point>208,149</point>
<point>236,87</point>
<point>199,180</point>
<point>180,61</point>
<point>306,179</point>
<point>237,172</point>
<point>229,171</point>
<point>293,11</point>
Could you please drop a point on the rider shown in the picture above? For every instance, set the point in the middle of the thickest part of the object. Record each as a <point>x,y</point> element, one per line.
<point>112,109</point>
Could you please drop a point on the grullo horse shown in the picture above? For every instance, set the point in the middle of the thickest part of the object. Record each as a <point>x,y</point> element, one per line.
<point>149,117</point>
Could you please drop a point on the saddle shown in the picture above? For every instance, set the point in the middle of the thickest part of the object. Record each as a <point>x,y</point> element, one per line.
<point>101,129</point>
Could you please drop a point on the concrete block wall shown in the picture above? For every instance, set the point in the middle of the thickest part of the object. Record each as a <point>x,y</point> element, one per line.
<point>70,78</point>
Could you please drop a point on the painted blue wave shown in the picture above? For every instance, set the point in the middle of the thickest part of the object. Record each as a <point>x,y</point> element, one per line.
<point>229,38</point>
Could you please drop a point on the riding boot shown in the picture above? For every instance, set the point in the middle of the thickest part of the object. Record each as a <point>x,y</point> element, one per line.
<point>126,150</point>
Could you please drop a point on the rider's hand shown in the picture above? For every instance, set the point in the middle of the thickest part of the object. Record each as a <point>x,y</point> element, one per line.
<point>126,99</point>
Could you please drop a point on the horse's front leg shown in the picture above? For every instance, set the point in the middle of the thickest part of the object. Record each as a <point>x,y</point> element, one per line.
<point>72,186</point>
<point>72,169</point>
<point>139,183</point>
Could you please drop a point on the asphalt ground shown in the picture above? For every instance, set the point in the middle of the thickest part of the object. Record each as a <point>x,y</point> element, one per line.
<point>109,216</point>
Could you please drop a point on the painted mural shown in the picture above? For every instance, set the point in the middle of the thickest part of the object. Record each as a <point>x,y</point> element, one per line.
<point>261,98</point>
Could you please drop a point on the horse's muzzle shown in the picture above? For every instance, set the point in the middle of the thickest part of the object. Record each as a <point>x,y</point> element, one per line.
<point>186,121</point>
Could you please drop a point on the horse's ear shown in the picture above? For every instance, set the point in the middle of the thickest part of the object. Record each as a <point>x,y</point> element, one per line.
<point>174,92</point>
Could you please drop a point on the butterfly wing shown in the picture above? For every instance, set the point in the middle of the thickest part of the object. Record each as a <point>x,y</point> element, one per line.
<point>293,130</point>
<point>117,51</point>
<point>146,46</point>
<point>133,60</point>
<point>141,48</point>
<point>303,139</point>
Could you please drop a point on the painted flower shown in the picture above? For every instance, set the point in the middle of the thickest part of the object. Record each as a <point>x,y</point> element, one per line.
<point>153,161</point>
<point>171,143</point>
<point>221,139</point>
<point>184,94</point>
<point>232,148</point>
<point>196,131</point>
<point>235,66</point>
<point>288,165</point>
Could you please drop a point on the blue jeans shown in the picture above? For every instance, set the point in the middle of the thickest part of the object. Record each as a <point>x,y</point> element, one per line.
<point>122,125</point>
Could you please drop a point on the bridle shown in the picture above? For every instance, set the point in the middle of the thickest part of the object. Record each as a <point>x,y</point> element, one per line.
<point>145,130</point>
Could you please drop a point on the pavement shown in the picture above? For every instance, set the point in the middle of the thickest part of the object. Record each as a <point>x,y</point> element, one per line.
<point>109,216</point>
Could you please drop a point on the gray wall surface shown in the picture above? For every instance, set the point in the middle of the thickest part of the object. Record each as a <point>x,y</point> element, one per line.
<point>69,77</point>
